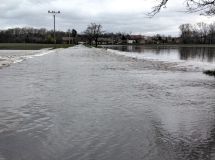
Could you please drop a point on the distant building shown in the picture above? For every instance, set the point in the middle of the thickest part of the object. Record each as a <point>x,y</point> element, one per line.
<point>136,39</point>
<point>105,41</point>
<point>67,40</point>
<point>131,41</point>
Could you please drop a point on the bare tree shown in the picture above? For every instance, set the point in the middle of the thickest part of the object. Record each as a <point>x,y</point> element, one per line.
<point>93,32</point>
<point>199,33</point>
<point>203,31</point>
<point>186,32</point>
<point>211,33</point>
<point>206,7</point>
<point>72,35</point>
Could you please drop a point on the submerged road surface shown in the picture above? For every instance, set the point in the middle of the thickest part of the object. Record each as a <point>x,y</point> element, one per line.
<point>88,104</point>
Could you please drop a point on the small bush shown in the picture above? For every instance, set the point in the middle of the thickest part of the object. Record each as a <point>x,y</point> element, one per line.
<point>210,72</point>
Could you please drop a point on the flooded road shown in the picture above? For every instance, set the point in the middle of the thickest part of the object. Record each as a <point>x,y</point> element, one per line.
<point>91,104</point>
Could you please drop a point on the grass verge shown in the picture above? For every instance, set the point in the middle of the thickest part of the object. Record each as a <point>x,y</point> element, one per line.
<point>30,46</point>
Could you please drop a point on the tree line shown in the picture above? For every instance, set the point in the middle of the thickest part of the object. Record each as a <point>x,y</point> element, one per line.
<point>200,33</point>
<point>32,35</point>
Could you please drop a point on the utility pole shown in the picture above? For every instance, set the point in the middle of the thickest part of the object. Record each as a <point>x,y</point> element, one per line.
<point>54,13</point>
<point>69,35</point>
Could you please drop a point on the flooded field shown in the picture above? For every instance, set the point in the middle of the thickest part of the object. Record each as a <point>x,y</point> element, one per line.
<point>8,57</point>
<point>196,54</point>
<point>95,104</point>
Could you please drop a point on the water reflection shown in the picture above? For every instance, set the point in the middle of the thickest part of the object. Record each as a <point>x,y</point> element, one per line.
<point>202,54</point>
<point>196,54</point>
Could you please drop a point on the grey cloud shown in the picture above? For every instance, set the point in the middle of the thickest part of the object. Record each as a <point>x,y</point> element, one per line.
<point>79,13</point>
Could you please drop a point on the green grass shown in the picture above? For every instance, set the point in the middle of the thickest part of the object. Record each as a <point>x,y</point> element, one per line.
<point>30,46</point>
<point>210,72</point>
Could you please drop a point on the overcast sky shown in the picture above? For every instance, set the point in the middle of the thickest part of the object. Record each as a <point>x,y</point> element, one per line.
<point>114,15</point>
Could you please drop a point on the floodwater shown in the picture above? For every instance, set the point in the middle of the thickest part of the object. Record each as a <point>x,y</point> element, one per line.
<point>8,57</point>
<point>93,104</point>
<point>169,53</point>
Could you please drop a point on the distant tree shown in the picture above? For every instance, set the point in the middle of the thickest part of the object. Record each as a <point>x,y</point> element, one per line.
<point>202,30</point>
<point>74,33</point>
<point>186,32</point>
<point>211,33</point>
<point>50,39</point>
<point>124,39</point>
<point>200,33</point>
<point>30,35</point>
<point>206,7</point>
<point>93,32</point>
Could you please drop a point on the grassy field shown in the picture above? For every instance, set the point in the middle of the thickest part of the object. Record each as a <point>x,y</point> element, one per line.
<point>29,46</point>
